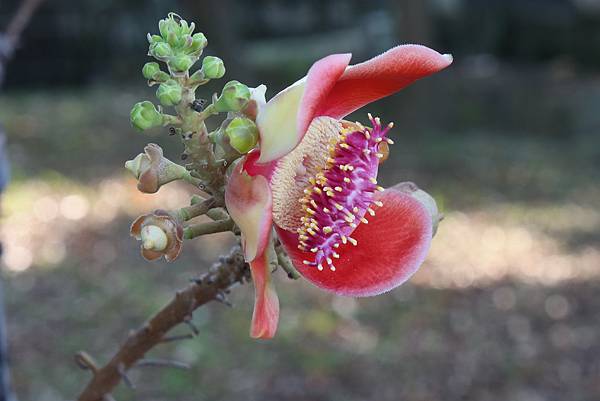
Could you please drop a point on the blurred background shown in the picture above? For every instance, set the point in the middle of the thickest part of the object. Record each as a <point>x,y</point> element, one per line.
<point>506,306</point>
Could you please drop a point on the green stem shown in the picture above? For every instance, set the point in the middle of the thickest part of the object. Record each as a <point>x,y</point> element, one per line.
<point>211,227</point>
<point>195,210</point>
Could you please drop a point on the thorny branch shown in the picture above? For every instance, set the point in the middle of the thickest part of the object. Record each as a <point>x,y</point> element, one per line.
<point>228,272</point>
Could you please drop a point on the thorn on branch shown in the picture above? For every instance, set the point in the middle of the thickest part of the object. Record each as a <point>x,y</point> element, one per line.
<point>177,338</point>
<point>86,362</point>
<point>162,363</point>
<point>188,321</point>
<point>222,298</point>
<point>123,373</point>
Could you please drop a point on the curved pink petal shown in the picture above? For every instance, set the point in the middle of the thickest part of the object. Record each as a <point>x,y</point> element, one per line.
<point>390,249</point>
<point>265,316</point>
<point>249,202</point>
<point>283,121</point>
<point>379,77</point>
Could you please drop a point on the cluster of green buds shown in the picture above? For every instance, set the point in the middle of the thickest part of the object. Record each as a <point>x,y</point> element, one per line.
<point>180,49</point>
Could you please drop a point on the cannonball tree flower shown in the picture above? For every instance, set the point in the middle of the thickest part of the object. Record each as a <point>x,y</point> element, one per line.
<point>314,179</point>
<point>160,233</point>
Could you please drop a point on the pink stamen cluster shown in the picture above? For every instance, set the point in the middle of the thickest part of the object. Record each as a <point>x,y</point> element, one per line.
<point>341,194</point>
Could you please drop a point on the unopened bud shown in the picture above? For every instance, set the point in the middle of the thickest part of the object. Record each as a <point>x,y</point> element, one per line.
<point>234,97</point>
<point>150,69</point>
<point>213,67</point>
<point>181,63</point>
<point>169,93</point>
<point>145,116</point>
<point>199,42</point>
<point>242,134</point>
<point>160,50</point>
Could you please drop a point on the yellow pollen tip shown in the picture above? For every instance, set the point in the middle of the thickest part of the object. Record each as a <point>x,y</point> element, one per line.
<point>327,229</point>
<point>347,180</point>
<point>352,241</point>
<point>378,203</point>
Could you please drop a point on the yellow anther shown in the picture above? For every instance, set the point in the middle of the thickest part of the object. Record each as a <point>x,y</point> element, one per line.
<point>391,125</point>
<point>389,141</point>
<point>344,146</point>
<point>380,155</point>
<point>380,188</point>
<point>344,240</point>
<point>378,203</point>
<point>332,268</point>
<point>306,262</point>
<point>336,255</point>
<point>314,250</point>
<point>352,241</point>
<point>378,140</point>
<point>373,180</point>
<point>311,231</point>
<point>327,229</point>
<point>320,267</point>
<point>339,189</point>
<point>347,180</point>
<point>310,211</point>
<point>371,211</point>
<point>338,206</point>
<point>363,220</point>
<point>325,210</point>
<point>355,209</point>
<point>336,245</point>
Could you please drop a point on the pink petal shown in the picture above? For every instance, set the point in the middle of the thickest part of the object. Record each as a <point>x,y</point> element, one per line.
<point>249,202</point>
<point>283,121</point>
<point>390,249</point>
<point>265,316</point>
<point>379,77</point>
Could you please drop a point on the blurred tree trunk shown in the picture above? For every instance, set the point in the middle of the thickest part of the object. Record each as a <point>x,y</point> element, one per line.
<point>218,20</point>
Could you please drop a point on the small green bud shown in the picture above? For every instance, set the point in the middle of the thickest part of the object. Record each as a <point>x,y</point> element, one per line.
<point>160,76</point>
<point>181,63</point>
<point>243,134</point>
<point>150,69</point>
<point>199,42</point>
<point>154,38</point>
<point>145,116</point>
<point>169,93</point>
<point>167,26</point>
<point>213,67</point>
<point>234,97</point>
<point>160,50</point>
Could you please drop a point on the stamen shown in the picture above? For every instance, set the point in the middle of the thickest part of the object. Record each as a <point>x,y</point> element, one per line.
<point>339,187</point>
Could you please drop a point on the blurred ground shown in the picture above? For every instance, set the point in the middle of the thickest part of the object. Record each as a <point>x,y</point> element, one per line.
<point>505,308</point>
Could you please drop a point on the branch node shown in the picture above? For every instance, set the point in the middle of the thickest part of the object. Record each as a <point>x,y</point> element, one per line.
<point>123,373</point>
<point>162,363</point>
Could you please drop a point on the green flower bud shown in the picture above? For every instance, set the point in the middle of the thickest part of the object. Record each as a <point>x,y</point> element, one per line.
<point>167,26</point>
<point>154,38</point>
<point>145,116</point>
<point>160,50</point>
<point>181,63</point>
<point>150,69</point>
<point>160,76</point>
<point>242,133</point>
<point>213,67</point>
<point>169,93</point>
<point>199,42</point>
<point>234,97</point>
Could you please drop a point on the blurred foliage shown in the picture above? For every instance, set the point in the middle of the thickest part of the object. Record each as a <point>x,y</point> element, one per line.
<point>506,140</point>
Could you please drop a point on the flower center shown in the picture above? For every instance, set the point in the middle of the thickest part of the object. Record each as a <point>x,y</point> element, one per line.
<point>334,181</point>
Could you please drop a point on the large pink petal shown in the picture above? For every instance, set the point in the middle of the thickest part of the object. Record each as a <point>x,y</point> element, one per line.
<point>283,121</point>
<point>249,202</point>
<point>390,249</point>
<point>379,77</point>
<point>265,316</point>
